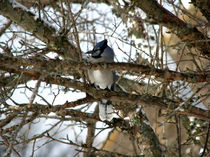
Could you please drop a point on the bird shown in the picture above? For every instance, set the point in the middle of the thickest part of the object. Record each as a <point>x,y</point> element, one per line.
<point>103,79</point>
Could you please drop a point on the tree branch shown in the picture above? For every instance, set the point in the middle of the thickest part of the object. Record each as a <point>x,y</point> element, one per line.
<point>186,109</point>
<point>55,65</point>
<point>38,27</point>
<point>4,28</point>
<point>30,3</point>
<point>184,31</point>
<point>204,6</point>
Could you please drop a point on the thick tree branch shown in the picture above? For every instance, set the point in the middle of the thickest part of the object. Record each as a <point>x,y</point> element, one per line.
<point>186,109</point>
<point>149,134</point>
<point>184,31</point>
<point>38,27</point>
<point>13,80</point>
<point>30,3</point>
<point>91,126</point>
<point>8,119</point>
<point>204,6</point>
<point>67,66</point>
<point>4,28</point>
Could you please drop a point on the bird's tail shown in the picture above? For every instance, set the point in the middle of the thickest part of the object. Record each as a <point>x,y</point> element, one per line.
<point>105,110</point>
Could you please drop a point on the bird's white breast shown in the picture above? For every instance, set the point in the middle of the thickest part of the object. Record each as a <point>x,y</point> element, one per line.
<point>101,78</point>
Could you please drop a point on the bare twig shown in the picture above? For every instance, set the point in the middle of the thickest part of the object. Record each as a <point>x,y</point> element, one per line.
<point>35,91</point>
<point>178,130</point>
<point>206,141</point>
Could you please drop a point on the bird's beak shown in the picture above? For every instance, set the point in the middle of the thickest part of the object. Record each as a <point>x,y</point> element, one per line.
<point>90,52</point>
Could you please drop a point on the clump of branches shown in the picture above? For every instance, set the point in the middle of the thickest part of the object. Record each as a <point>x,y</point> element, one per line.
<point>162,62</point>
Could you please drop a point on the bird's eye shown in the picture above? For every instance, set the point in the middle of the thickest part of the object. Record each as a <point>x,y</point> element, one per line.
<point>97,54</point>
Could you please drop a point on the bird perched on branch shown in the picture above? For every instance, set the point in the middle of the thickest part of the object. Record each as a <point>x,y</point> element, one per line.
<point>104,79</point>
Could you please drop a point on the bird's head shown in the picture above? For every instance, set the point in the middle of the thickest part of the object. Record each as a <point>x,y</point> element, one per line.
<point>97,51</point>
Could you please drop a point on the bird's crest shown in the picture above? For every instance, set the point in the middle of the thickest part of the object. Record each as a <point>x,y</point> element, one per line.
<point>98,49</point>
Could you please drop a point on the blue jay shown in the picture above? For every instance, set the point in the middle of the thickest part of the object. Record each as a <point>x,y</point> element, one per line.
<point>103,79</point>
